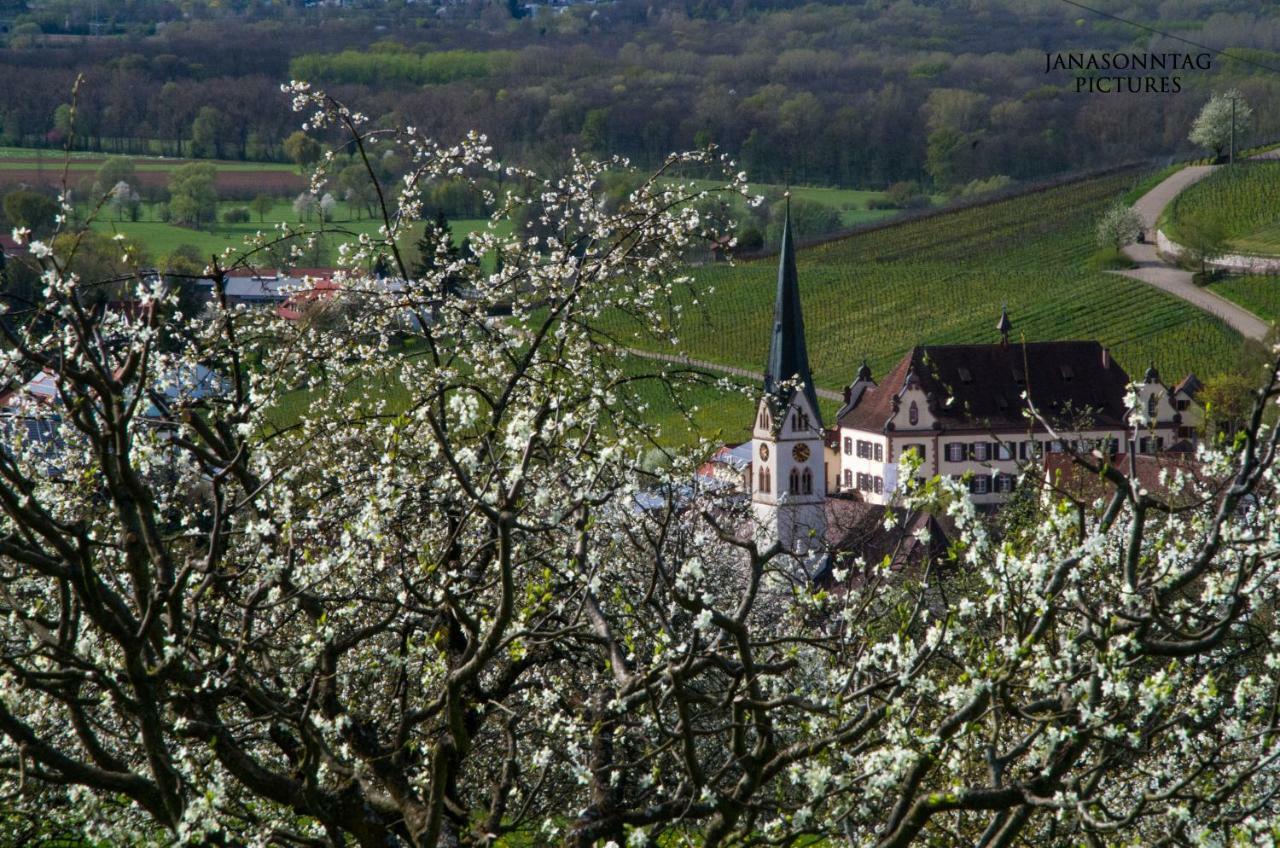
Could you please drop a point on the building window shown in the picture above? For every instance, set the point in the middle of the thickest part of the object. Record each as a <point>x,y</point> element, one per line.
<point>795,481</point>
<point>1183,404</point>
<point>1004,483</point>
<point>1055,446</point>
<point>879,485</point>
<point>1150,444</point>
<point>980,452</point>
<point>1151,407</point>
<point>913,414</point>
<point>764,417</point>
<point>764,479</point>
<point>955,452</point>
<point>864,449</point>
<point>864,482</point>
<point>980,485</point>
<point>918,448</point>
<point>848,445</point>
<point>879,448</point>
<point>807,479</point>
<point>1004,450</point>
<point>848,479</point>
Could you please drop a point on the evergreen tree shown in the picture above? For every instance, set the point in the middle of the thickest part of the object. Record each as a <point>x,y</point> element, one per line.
<point>436,250</point>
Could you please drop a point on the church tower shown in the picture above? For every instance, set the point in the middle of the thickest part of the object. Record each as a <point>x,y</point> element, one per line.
<point>788,486</point>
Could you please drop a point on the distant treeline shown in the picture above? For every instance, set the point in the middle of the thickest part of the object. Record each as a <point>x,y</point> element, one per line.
<point>394,66</point>
<point>944,93</point>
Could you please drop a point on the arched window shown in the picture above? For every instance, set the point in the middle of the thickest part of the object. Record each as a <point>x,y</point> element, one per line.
<point>764,417</point>
<point>761,485</point>
<point>795,481</point>
<point>808,482</point>
<point>768,480</point>
<point>913,414</point>
<point>1151,407</point>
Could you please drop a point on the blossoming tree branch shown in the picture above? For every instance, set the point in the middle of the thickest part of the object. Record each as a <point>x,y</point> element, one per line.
<point>379,576</point>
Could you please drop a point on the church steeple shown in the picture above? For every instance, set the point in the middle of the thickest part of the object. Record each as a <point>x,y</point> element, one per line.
<point>789,474</point>
<point>788,354</point>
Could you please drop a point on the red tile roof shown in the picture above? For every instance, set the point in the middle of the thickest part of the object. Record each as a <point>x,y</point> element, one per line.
<point>985,382</point>
<point>1068,478</point>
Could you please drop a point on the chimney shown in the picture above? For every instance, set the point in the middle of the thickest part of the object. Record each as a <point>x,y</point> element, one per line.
<point>1106,358</point>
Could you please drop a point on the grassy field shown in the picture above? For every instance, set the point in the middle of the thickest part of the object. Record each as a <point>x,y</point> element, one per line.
<point>943,279</point>
<point>1242,200</point>
<point>161,238</point>
<point>1259,295</point>
<point>850,203</point>
<point>698,411</point>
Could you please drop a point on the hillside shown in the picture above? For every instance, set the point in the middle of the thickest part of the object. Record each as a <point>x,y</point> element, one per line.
<point>1241,203</point>
<point>943,279</point>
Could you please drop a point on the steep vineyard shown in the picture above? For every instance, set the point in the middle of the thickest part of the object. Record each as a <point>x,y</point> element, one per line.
<point>943,279</point>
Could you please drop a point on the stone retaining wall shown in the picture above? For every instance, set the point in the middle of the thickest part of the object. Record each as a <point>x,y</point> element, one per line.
<point>1239,262</point>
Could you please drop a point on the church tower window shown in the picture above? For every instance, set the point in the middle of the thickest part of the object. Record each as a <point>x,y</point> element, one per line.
<point>795,481</point>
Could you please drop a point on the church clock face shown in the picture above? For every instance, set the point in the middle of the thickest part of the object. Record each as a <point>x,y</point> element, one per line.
<point>764,452</point>
<point>800,453</point>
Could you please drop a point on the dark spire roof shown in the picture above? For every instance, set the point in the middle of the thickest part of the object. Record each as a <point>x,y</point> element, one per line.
<point>1152,375</point>
<point>788,355</point>
<point>864,371</point>
<point>1004,325</point>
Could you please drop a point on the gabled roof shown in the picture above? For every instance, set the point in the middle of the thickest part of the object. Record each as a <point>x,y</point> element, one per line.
<point>1190,386</point>
<point>982,385</point>
<point>855,528</point>
<point>788,354</point>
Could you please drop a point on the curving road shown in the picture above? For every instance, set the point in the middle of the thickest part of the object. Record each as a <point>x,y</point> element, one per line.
<point>1154,271</point>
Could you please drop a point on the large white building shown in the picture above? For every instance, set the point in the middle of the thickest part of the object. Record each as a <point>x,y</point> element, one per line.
<point>983,411</point>
<point>978,412</point>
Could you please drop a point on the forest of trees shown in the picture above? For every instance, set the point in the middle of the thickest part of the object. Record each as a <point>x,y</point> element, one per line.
<point>862,94</point>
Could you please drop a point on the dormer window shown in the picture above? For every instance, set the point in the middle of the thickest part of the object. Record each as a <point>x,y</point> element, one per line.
<point>1018,376</point>
<point>966,376</point>
<point>1066,372</point>
<point>913,414</point>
